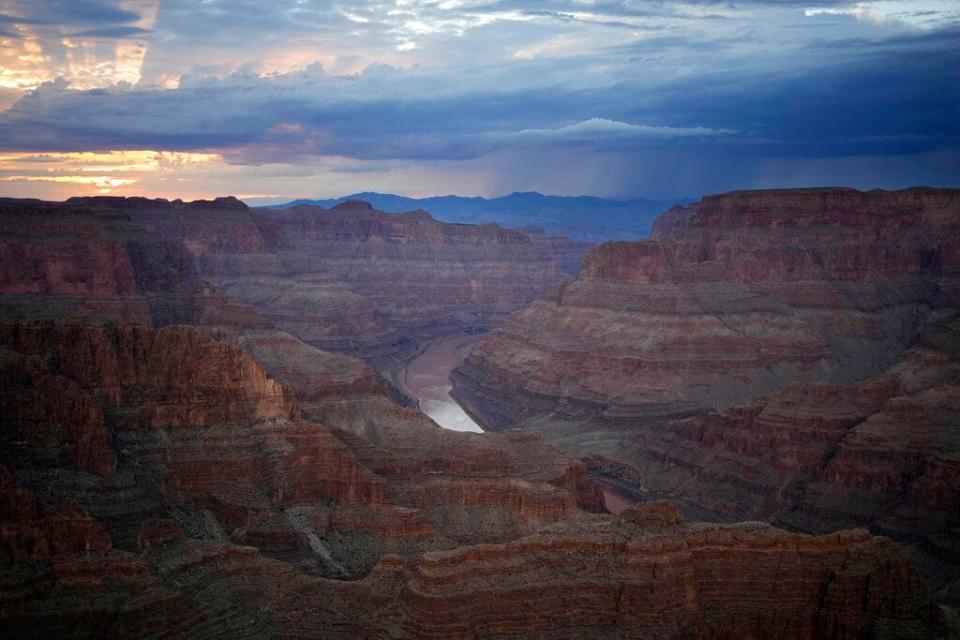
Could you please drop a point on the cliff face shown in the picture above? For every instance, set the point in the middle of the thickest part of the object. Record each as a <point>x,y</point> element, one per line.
<point>147,420</point>
<point>638,576</point>
<point>358,280</point>
<point>227,479</point>
<point>756,291</point>
<point>783,355</point>
<point>708,585</point>
<point>349,279</point>
<point>568,253</point>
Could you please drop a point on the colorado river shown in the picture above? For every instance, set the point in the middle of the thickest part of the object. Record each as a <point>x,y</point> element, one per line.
<point>427,379</point>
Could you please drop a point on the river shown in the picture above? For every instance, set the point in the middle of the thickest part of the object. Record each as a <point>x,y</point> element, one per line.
<point>427,377</point>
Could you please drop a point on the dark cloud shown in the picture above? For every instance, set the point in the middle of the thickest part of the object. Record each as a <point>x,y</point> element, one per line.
<point>896,99</point>
<point>68,12</point>
<point>116,32</point>
<point>679,92</point>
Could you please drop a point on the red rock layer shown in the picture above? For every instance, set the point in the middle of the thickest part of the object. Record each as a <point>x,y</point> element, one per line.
<point>717,365</point>
<point>756,291</point>
<point>89,258</point>
<point>357,280</point>
<point>567,253</point>
<point>666,582</point>
<point>170,377</point>
<point>348,279</point>
<point>644,575</point>
<point>33,531</point>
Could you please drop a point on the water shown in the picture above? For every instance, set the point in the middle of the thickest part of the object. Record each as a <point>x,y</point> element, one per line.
<point>427,378</point>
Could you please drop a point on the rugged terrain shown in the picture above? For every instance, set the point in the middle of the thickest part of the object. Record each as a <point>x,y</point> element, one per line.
<point>349,279</point>
<point>583,218</point>
<point>783,355</point>
<point>174,465</point>
<point>352,279</point>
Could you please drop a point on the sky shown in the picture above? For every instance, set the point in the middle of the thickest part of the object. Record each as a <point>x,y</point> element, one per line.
<point>619,98</point>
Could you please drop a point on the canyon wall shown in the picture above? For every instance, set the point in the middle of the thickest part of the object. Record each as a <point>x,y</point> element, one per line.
<point>156,482</point>
<point>394,279</point>
<point>347,279</point>
<point>352,279</point>
<point>785,355</point>
<point>173,465</point>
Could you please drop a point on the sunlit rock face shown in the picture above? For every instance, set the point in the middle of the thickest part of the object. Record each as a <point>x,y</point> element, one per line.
<point>785,355</point>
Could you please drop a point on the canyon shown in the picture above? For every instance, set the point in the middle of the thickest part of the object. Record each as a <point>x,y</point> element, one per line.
<point>787,356</point>
<point>205,433</point>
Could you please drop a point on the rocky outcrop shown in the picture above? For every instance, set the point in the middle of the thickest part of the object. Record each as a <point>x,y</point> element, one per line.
<point>664,581</point>
<point>758,290</point>
<point>149,378</point>
<point>372,284</point>
<point>786,355</point>
<point>634,577</point>
<point>567,253</point>
<point>881,453</point>
<point>229,480</point>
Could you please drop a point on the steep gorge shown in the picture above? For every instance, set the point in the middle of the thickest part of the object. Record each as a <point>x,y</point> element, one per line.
<point>784,355</point>
<point>173,465</point>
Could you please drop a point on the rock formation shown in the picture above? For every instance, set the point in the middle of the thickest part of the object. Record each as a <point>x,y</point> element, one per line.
<point>348,279</point>
<point>568,253</point>
<point>373,284</point>
<point>172,465</point>
<point>638,576</point>
<point>785,355</point>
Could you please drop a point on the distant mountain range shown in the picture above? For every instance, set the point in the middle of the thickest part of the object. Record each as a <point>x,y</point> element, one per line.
<point>582,217</point>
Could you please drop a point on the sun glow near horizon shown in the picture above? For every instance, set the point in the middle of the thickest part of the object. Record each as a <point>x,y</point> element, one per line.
<point>97,172</point>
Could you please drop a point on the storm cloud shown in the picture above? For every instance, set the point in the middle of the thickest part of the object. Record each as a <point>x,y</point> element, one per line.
<point>638,92</point>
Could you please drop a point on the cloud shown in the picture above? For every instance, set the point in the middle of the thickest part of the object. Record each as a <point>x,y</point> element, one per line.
<point>426,84</point>
<point>115,32</point>
<point>602,129</point>
<point>70,12</point>
<point>388,113</point>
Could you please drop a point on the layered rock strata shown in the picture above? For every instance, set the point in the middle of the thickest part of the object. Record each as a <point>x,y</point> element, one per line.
<point>228,480</point>
<point>348,279</point>
<point>757,290</point>
<point>645,575</point>
<point>786,355</point>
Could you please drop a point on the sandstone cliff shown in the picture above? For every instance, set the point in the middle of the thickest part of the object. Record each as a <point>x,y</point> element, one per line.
<point>786,355</point>
<point>348,279</point>
<point>229,480</point>
<point>644,575</point>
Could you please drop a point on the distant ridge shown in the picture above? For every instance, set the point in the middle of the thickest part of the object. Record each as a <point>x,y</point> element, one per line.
<point>580,217</point>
